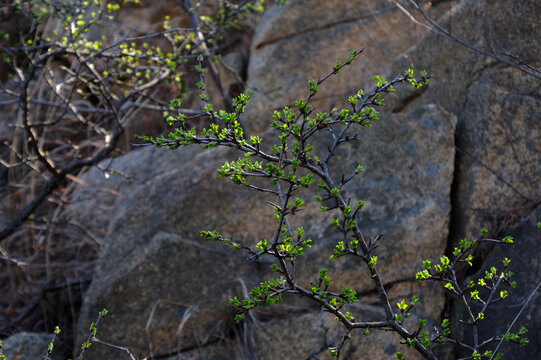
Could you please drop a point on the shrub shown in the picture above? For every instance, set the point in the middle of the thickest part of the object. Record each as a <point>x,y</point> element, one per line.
<point>297,160</point>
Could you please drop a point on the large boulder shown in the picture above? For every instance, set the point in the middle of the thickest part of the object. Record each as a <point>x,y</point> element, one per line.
<point>149,213</point>
<point>154,271</point>
<point>499,129</point>
<point>170,297</point>
<point>302,40</point>
<point>498,135</point>
<point>149,278</point>
<point>499,161</point>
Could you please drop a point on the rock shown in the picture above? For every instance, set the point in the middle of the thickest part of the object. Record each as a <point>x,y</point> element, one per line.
<point>498,132</point>
<point>152,260</point>
<point>145,270</point>
<point>312,333</point>
<point>309,331</point>
<point>406,158</point>
<point>302,40</point>
<point>412,155</point>
<point>526,269</point>
<point>455,67</point>
<point>100,189</point>
<point>157,303</point>
<point>27,345</point>
<point>498,136</point>
<point>221,350</point>
<point>231,67</point>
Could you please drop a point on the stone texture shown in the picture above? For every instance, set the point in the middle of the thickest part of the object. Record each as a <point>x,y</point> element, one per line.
<point>455,67</point>
<point>500,158</point>
<point>302,40</point>
<point>313,332</point>
<point>174,192</point>
<point>26,345</point>
<point>527,271</point>
<point>149,224</point>
<point>309,331</point>
<point>498,134</point>
<point>221,350</point>
<point>141,268</point>
<point>407,157</point>
<point>164,301</point>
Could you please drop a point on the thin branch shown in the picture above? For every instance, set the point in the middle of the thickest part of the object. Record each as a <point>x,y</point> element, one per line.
<point>438,30</point>
<point>516,318</point>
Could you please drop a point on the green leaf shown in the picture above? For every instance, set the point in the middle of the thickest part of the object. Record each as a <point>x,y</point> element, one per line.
<point>333,351</point>
<point>313,87</point>
<point>262,245</point>
<point>239,318</point>
<point>373,261</point>
<point>422,275</point>
<point>484,232</point>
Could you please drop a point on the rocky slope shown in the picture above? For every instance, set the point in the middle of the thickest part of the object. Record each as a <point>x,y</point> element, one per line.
<point>440,165</point>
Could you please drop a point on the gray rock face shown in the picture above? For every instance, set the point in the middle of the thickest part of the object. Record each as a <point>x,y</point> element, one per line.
<point>315,332</point>
<point>404,162</point>
<point>172,289</point>
<point>26,345</point>
<point>301,41</point>
<point>150,279</point>
<point>167,290</point>
<point>498,134</point>
<point>499,139</point>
